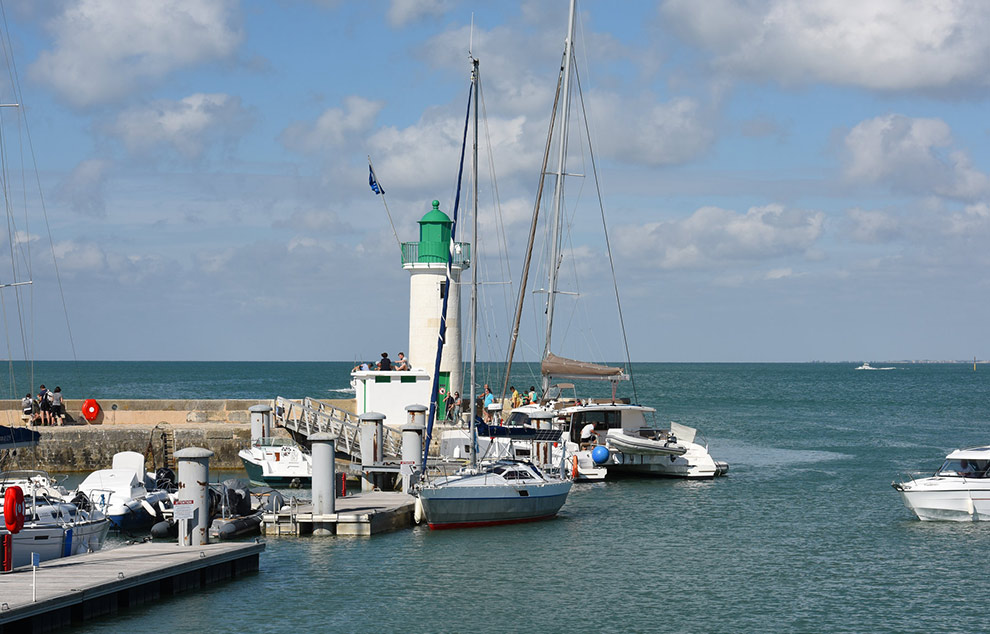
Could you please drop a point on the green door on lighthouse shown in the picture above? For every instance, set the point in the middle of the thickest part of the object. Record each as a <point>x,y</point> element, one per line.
<point>444,391</point>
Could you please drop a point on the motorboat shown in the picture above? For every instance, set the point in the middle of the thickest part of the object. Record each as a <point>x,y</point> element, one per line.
<point>53,528</point>
<point>277,462</point>
<point>504,492</point>
<point>867,366</point>
<point>125,493</point>
<point>958,491</point>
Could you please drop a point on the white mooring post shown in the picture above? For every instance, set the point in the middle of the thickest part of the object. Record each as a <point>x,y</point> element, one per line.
<point>412,445</point>
<point>194,499</point>
<point>259,414</point>
<point>372,424</point>
<point>323,480</point>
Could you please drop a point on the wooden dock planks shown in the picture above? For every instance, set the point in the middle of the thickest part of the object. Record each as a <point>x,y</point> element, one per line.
<point>81,587</point>
<point>363,514</point>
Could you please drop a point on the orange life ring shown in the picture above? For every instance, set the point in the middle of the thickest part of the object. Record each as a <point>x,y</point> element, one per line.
<point>90,409</point>
<point>13,509</point>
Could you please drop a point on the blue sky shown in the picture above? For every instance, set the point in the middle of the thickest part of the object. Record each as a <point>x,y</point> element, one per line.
<point>783,180</point>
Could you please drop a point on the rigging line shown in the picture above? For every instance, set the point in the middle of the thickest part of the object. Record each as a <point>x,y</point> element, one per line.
<point>608,243</point>
<point>384,202</point>
<point>532,237</point>
<point>497,203</point>
<point>41,195</point>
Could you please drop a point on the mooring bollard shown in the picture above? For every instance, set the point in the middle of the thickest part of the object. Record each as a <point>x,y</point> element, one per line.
<point>372,424</point>
<point>412,445</point>
<point>323,480</point>
<point>259,415</point>
<point>192,509</point>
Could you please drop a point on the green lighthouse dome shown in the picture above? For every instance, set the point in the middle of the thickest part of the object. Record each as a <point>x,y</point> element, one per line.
<point>434,235</point>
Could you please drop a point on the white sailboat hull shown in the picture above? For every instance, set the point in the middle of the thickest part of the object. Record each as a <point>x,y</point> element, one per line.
<point>53,541</point>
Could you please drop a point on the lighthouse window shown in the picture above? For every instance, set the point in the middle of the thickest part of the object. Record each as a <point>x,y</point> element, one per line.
<point>443,288</point>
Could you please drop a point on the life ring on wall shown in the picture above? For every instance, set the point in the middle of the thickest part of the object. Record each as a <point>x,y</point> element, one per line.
<point>90,409</point>
<point>13,509</point>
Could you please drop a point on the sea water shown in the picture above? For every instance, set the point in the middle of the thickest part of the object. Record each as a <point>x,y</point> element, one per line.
<point>805,534</point>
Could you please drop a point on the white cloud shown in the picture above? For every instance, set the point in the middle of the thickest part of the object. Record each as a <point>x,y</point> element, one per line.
<point>712,235</point>
<point>872,227</point>
<point>335,127</point>
<point>186,125</point>
<point>911,154</point>
<point>971,220</point>
<point>403,12</point>
<point>83,189</point>
<point>880,44</point>
<point>644,131</point>
<point>105,49</point>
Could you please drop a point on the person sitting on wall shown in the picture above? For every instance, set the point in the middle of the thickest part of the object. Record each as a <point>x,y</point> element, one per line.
<point>385,365</point>
<point>27,409</point>
<point>402,363</point>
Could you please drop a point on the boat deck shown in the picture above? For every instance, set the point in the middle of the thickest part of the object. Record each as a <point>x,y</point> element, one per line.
<point>362,514</point>
<point>75,589</point>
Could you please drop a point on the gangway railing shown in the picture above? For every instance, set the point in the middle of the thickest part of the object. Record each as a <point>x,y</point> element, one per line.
<point>311,416</point>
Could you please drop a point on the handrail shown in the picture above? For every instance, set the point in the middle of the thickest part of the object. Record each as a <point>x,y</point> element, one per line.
<point>312,416</point>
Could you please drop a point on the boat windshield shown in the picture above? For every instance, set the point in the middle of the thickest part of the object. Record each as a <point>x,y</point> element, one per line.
<point>964,468</point>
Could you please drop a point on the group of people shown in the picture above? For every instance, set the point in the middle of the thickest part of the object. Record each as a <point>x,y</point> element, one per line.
<point>526,398</point>
<point>384,364</point>
<point>48,408</point>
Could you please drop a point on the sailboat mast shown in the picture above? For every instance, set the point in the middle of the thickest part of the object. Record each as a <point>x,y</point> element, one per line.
<point>559,190</point>
<point>474,269</point>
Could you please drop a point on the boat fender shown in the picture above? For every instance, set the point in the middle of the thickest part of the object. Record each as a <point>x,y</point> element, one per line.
<point>600,454</point>
<point>148,507</point>
<point>418,512</point>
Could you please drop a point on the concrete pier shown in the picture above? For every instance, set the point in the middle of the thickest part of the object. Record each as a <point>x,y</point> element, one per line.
<point>364,514</point>
<point>76,589</point>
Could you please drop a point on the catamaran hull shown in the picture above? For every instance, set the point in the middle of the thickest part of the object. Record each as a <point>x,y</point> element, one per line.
<point>465,507</point>
<point>695,463</point>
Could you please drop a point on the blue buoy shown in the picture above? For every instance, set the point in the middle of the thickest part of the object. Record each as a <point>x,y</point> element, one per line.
<point>599,454</point>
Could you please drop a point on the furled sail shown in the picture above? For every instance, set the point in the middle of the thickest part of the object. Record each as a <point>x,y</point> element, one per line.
<point>559,366</point>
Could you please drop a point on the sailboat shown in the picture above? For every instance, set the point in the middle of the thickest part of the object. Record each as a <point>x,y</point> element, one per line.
<point>503,492</point>
<point>606,434</point>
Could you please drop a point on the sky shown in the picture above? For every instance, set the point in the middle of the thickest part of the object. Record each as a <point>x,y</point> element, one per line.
<point>782,180</point>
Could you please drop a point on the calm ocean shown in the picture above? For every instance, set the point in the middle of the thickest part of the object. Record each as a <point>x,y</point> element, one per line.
<point>804,535</point>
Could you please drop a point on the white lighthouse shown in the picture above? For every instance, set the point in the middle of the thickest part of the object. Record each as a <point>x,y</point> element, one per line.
<point>389,392</point>
<point>426,262</point>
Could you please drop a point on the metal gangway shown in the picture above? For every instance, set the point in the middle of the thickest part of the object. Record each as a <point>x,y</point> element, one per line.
<point>310,416</point>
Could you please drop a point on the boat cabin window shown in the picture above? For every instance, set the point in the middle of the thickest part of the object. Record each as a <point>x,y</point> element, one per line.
<point>603,420</point>
<point>517,419</point>
<point>510,473</point>
<point>961,467</point>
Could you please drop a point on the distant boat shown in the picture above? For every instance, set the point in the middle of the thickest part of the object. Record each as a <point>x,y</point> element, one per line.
<point>958,491</point>
<point>277,462</point>
<point>867,366</point>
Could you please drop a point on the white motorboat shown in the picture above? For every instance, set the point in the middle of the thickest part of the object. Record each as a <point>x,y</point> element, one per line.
<point>867,366</point>
<point>53,528</point>
<point>505,492</point>
<point>958,491</point>
<point>125,493</point>
<point>277,462</point>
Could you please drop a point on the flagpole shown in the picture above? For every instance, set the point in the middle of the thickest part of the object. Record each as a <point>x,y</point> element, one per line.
<point>385,202</point>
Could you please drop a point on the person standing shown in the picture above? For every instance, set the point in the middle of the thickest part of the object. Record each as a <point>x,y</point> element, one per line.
<point>58,407</point>
<point>489,399</point>
<point>532,394</point>
<point>45,404</point>
<point>515,400</point>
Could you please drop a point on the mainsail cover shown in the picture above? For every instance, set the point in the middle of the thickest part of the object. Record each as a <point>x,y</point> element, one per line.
<point>559,366</point>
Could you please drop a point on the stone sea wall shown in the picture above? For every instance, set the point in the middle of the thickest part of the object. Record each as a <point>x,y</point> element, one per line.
<point>222,426</point>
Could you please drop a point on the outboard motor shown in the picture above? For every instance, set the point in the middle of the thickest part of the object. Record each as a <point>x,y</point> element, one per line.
<point>165,480</point>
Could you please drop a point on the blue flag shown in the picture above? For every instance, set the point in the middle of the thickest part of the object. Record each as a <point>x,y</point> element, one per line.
<point>375,187</point>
